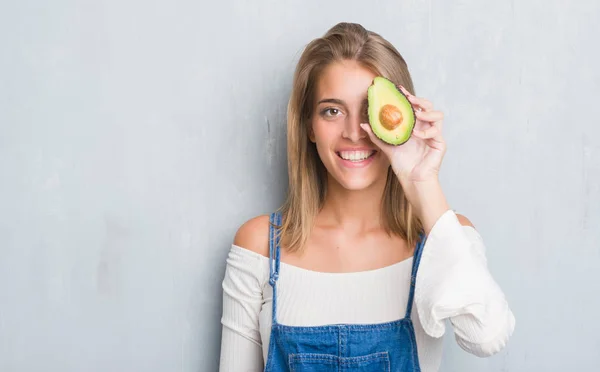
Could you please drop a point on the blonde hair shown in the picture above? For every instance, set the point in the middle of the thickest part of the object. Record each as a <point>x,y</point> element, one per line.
<point>306,172</point>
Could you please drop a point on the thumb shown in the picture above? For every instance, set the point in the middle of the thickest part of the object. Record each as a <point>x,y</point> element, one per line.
<point>384,147</point>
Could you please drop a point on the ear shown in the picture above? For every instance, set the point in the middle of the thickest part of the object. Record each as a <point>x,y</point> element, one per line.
<point>311,133</point>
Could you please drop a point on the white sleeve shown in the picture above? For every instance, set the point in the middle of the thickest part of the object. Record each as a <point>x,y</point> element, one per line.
<point>453,282</point>
<point>241,347</point>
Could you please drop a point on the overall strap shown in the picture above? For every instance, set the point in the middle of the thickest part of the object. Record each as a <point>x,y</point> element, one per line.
<point>274,220</point>
<point>413,275</point>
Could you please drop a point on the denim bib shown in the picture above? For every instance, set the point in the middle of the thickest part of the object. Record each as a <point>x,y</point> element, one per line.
<point>381,347</point>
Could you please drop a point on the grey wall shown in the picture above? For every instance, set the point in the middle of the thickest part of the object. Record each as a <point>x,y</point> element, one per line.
<point>136,136</point>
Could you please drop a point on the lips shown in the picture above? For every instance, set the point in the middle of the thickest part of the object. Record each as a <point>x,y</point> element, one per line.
<point>355,155</point>
<point>356,158</point>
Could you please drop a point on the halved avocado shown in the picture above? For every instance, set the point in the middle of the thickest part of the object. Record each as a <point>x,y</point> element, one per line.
<point>391,115</point>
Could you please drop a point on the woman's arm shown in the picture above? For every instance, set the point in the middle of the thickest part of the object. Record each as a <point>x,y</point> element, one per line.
<point>241,346</point>
<point>453,281</point>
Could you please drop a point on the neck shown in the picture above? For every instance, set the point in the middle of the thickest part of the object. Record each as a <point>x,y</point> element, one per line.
<point>353,210</point>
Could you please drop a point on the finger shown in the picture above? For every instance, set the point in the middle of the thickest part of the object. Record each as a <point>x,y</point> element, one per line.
<point>404,90</point>
<point>430,116</point>
<point>437,143</point>
<point>418,101</point>
<point>421,102</point>
<point>379,143</point>
<point>434,158</point>
<point>431,132</point>
<point>367,128</point>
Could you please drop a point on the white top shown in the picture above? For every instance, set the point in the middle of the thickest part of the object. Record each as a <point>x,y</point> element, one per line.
<point>453,282</point>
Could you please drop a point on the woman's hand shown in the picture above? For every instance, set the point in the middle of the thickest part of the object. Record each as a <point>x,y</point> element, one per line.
<point>417,162</point>
<point>420,158</point>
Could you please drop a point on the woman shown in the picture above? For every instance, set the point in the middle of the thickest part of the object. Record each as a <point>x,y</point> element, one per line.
<point>361,219</point>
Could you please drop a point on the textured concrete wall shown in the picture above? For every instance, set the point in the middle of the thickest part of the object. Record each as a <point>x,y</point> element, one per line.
<point>135,137</point>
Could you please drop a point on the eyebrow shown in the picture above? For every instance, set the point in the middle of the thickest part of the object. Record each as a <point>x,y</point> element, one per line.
<point>338,101</point>
<point>332,100</point>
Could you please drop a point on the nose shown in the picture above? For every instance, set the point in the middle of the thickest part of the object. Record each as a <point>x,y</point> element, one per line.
<point>352,129</point>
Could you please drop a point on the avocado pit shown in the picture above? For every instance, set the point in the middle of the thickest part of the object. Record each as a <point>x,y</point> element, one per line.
<point>390,117</point>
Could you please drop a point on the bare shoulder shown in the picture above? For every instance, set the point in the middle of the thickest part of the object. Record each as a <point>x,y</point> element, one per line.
<point>464,220</point>
<point>254,235</point>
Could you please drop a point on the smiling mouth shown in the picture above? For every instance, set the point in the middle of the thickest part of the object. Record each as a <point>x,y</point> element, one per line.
<point>356,156</point>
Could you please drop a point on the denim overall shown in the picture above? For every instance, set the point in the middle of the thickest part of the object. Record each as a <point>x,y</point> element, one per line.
<point>381,347</point>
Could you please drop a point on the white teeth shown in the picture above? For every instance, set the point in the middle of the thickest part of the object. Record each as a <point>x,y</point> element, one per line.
<point>355,155</point>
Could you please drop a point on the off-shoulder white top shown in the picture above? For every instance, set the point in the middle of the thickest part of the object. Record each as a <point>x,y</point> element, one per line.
<point>453,283</point>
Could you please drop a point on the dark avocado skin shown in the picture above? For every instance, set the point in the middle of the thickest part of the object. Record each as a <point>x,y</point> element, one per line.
<point>413,112</point>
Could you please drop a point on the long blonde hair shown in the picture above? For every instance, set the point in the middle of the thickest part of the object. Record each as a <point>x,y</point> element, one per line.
<point>306,172</point>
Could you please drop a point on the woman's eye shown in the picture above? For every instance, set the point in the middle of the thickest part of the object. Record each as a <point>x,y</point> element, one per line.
<point>330,112</point>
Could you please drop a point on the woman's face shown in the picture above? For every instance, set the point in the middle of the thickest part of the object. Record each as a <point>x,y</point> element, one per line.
<point>340,106</point>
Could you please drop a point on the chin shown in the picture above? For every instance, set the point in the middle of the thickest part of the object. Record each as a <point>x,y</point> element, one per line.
<point>356,184</point>
<point>360,178</point>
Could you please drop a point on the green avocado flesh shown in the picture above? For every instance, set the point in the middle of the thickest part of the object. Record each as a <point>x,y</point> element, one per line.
<point>391,115</point>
